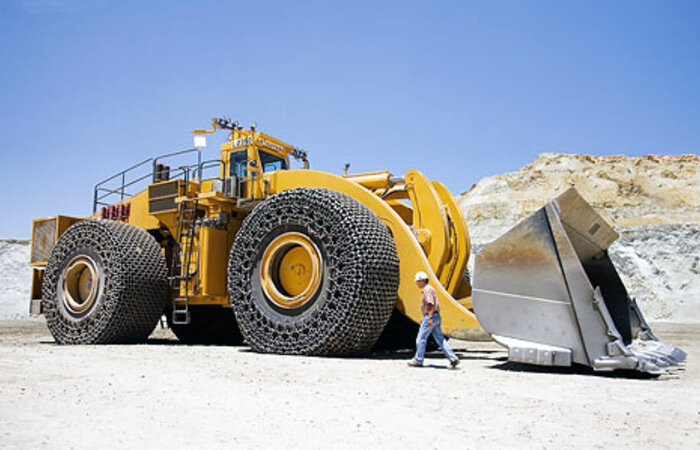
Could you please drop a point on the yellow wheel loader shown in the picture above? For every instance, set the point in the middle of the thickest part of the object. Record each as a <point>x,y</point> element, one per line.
<point>243,248</point>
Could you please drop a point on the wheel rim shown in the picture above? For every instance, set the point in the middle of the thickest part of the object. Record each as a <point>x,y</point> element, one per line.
<point>291,269</point>
<point>81,282</point>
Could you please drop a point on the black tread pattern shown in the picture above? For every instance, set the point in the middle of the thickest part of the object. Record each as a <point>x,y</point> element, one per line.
<point>135,284</point>
<point>362,271</point>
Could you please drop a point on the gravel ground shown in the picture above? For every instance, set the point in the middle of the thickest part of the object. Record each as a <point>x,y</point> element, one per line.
<point>167,395</point>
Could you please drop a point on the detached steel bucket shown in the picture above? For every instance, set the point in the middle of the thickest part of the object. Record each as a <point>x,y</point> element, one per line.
<point>548,291</point>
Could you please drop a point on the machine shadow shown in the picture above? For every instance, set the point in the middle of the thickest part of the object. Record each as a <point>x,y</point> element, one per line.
<point>575,369</point>
<point>464,355</point>
<point>402,354</point>
<point>177,343</point>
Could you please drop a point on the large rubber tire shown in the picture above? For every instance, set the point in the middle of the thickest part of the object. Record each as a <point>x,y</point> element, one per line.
<point>132,289</point>
<point>359,280</point>
<point>209,325</point>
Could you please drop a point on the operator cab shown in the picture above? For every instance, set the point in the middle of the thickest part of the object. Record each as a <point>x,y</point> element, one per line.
<point>239,162</point>
<point>246,157</point>
<point>270,163</point>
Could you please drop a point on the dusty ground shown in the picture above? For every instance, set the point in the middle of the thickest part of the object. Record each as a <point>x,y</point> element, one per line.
<point>166,395</point>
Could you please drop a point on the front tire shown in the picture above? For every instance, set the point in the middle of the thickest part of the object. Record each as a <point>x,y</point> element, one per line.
<point>312,272</point>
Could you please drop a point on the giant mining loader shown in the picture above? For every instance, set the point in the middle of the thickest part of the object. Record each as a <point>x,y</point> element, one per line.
<point>244,248</point>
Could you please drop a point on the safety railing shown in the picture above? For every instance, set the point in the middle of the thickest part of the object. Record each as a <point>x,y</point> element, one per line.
<point>208,164</point>
<point>123,184</point>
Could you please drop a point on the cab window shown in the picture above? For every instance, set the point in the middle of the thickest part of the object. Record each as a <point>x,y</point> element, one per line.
<point>239,162</point>
<point>270,163</point>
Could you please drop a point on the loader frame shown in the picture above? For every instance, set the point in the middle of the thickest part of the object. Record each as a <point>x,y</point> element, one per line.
<point>425,220</point>
<point>547,289</point>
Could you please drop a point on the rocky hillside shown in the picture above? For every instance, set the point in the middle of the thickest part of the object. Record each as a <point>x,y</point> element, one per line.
<point>15,278</point>
<point>653,201</point>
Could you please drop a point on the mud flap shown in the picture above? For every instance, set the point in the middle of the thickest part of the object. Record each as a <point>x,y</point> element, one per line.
<point>548,291</point>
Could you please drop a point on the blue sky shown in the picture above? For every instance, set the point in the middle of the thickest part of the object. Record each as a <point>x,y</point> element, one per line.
<point>460,90</point>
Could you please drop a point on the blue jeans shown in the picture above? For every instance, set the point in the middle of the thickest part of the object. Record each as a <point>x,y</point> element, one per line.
<point>422,340</point>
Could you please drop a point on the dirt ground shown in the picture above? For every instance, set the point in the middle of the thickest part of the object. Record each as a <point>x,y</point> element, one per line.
<point>167,395</point>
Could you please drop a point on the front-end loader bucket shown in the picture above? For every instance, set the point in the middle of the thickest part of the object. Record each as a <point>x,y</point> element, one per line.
<point>548,291</point>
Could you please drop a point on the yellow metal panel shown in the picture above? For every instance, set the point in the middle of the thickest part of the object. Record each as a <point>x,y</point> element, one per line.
<point>140,217</point>
<point>402,209</point>
<point>207,185</point>
<point>371,180</point>
<point>213,260</point>
<point>429,219</point>
<point>198,299</point>
<point>273,145</point>
<point>452,276</point>
<point>457,321</point>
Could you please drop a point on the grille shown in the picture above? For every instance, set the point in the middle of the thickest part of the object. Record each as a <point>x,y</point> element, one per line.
<point>43,240</point>
<point>161,196</point>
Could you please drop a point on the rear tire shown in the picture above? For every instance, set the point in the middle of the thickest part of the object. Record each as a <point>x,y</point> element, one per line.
<point>353,292</point>
<point>105,283</point>
<point>209,325</point>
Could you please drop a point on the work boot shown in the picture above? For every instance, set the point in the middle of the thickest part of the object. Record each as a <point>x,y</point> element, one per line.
<point>414,363</point>
<point>454,364</point>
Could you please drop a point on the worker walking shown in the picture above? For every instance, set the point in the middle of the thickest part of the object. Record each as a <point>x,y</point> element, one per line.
<point>430,307</point>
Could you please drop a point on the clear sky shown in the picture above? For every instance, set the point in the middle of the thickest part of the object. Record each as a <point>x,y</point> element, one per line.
<point>460,90</point>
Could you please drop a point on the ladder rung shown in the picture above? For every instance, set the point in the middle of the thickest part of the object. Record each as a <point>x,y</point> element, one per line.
<point>181,317</point>
<point>187,276</point>
<point>180,264</point>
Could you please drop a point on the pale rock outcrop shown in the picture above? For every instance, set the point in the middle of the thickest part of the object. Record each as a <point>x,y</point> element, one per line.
<point>653,201</point>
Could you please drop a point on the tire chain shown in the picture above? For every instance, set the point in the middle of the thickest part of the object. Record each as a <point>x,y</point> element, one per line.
<point>363,272</point>
<point>135,284</point>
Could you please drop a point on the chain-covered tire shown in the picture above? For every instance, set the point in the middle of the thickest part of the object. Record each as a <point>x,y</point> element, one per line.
<point>343,274</point>
<point>209,325</point>
<point>105,283</point>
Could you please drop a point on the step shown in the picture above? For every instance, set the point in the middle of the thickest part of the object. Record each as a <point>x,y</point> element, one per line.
<point>181,317</point>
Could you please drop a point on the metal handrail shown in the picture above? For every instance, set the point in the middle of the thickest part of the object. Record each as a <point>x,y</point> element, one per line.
<point>120,190</point>
<point>199,171</point>
<point>124,171</point>
<point>181,152</point>
<point>100,192</point>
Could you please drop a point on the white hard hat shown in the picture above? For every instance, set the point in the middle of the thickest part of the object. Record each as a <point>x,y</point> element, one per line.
<point>421,276</point>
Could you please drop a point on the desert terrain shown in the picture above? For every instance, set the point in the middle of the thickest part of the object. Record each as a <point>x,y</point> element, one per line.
<point>166,395</point>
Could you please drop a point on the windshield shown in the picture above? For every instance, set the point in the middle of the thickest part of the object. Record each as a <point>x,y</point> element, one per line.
<point>238,164</point>
<point>271,163</point>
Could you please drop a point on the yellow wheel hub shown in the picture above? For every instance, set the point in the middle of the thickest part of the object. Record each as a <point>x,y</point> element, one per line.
<point>81,281</point>
<point>291,268</point>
